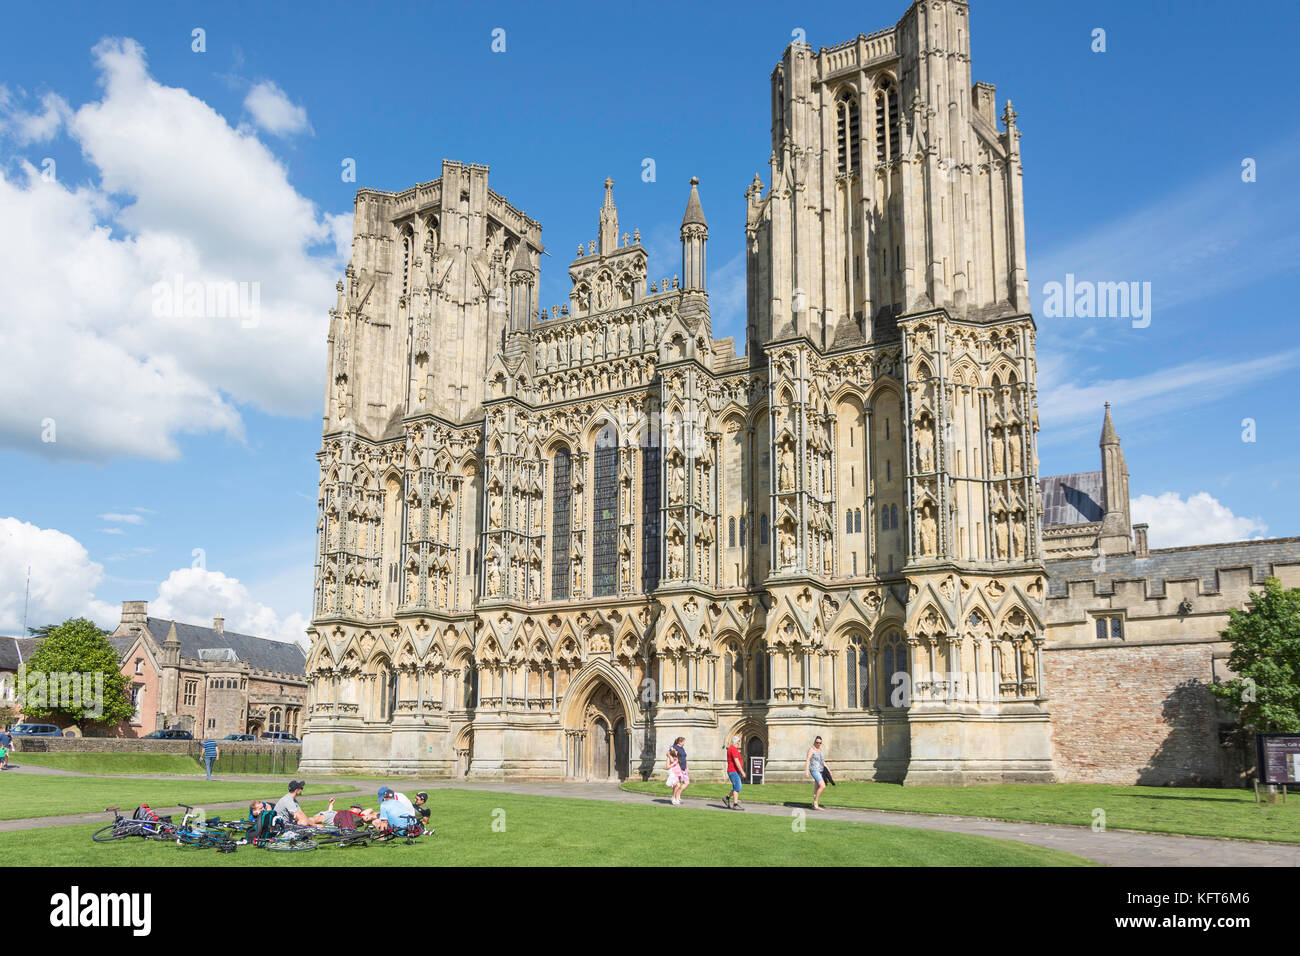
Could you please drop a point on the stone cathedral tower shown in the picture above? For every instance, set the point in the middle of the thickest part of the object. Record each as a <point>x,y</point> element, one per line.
<point>552,541</point>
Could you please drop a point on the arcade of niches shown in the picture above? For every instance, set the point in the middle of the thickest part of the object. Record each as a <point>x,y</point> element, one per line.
<point>552,541</point>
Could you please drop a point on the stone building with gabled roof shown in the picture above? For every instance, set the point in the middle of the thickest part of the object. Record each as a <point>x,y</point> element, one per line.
<point>207,680</point>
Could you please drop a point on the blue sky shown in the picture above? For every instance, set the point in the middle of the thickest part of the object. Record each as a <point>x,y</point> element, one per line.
<point>175,437</point>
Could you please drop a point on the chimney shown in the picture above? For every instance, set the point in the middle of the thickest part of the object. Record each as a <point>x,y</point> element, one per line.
<point>219,624</point>
<point>1140,540</point>
<point>135,614</point>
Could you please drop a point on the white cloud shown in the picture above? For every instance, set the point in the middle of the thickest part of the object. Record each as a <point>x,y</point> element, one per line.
<point>179,193</point>
<point>1069,409</point>
<point>33,127</point>
<point>196,595</point>
<point>272,110</point>
<point>64,581</point>
<point>63,578</point>
<point>1200,519</point>
<point>123,518</point>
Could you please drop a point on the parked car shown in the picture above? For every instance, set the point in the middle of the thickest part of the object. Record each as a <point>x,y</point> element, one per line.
<point>279,737</point>
<point>169,735</point>
<point>244,737</point>
<point>36,730</point>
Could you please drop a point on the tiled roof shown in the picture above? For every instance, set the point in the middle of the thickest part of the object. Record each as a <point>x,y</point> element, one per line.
<point>1072,499</point>
<point>257,652</point>
<point>1202,561</point>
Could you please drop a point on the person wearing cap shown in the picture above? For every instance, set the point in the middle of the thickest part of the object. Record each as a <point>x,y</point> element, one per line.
<point>395,809</point>
<point>287,807</point>
<point>421,805</point>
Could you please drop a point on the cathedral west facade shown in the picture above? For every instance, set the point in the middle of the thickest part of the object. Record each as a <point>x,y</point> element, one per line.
<point>550,542</point>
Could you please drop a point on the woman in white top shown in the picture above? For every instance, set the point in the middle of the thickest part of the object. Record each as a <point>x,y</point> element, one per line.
<point>814,765</point>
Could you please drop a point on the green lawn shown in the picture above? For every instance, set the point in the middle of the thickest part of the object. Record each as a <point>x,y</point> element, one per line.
<point>553,831</point>
<point>1196,811</point>
<point>148,763</point>
<point>45,795</point>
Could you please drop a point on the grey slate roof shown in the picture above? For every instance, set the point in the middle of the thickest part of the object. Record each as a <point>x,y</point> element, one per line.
<point>1202,561</point>
<point>257,652</point>
<point>15,650</point>
<point>1072,499</point>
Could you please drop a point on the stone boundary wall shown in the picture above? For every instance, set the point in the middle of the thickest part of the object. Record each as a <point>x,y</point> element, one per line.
<point>36,745</point>
<point>1135,714</point>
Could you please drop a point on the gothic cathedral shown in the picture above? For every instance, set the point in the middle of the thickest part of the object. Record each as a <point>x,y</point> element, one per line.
<point>551,542</point>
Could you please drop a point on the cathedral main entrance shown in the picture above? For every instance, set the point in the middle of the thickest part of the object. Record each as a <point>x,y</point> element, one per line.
<point>599,749</point>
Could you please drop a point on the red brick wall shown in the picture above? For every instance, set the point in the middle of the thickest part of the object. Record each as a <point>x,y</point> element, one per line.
<point>1134,714</point>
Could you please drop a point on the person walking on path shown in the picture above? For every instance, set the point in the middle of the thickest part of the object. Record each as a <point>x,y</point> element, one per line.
<point>6,742</point>
<point>735,770</point>
<point>210,754</point>
<point>815,766</point>
<point>683,779</point>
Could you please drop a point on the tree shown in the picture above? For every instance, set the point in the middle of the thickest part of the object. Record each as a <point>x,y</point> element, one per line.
<point>75,674</point>
<point>1265,642</point>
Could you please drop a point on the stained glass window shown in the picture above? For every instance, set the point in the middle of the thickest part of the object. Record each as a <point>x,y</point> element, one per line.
<point>604,525</point>
<point>650,533</point>
<point>560,526</point>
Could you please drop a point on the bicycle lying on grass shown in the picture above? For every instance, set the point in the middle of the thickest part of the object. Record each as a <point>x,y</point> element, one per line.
<point>197,831</point>
<point>149,828</point>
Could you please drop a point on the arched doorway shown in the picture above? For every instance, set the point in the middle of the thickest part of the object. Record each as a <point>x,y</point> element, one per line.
<point>754,748</point>
<point>600,749</point>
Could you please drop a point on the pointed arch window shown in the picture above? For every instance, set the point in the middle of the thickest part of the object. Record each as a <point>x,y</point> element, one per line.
<point>651,533</point>
<point>894,670</point>
<point>731,532</point>
<point>857,520</point>
<point>886,107</point>
<point>561,488</point>
<point>604,523</point>
<point>858,677</point>
<point>407,243</point>
<point>847,136</point>
<point>762,529</point>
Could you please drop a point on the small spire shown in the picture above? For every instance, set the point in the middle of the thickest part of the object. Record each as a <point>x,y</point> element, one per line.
<point>171,635</point>
<point>609,191</point>
<point>522,262</point>
<point>694,211</point>
<point>1108,435</point>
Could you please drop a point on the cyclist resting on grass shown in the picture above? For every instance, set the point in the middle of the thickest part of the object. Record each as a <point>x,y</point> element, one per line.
<point>287,807</point>
<point>395,809</point>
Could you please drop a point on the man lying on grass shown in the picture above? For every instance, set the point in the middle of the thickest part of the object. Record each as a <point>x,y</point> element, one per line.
<point>287,808</point>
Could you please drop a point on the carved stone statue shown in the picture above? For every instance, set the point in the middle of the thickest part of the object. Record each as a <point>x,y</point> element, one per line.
<point>1013,447</point>
<point>925,444</point>
<point>929,530</point>
<point>1027,668</point>
<point>676,553</point>
<point>996,451</point>
<point>787,467</point>
<point>494,575</point>
<point>1018,534</point>
<point>677,483</point>
<point>789,552</point>
<point>1000,529</point>
<point>494,505</point>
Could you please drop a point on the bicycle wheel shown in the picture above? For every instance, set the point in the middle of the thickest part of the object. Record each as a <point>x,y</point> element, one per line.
<point>291,846</point>
<point>110,833</point>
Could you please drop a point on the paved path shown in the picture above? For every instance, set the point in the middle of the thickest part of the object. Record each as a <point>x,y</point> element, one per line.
<point>1113,848</point>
